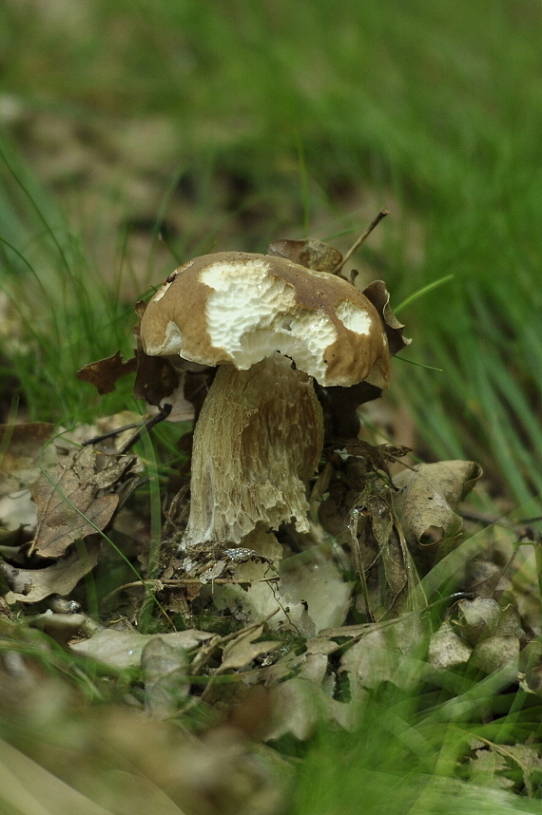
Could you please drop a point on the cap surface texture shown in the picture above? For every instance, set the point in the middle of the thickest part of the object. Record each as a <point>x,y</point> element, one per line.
<point>240,308</point>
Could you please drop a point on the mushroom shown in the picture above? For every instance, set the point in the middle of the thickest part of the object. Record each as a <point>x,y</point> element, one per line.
<point>270,326</point>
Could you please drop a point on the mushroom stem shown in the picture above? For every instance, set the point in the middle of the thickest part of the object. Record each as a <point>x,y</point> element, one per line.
<point>257,441</point>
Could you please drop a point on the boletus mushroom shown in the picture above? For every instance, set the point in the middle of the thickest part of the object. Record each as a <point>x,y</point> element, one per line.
<point>270,326</point>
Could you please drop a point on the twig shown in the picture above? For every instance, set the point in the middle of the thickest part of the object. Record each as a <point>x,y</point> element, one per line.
<point>158,584</point>
<point>362,238</point>
<point>162,414</point>
<point>520,527</point>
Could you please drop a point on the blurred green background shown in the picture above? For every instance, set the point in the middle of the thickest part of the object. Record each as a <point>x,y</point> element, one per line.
<point>136,134</point>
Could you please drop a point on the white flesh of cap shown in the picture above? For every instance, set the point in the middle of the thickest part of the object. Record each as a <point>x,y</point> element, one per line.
<point>251,314</point>
<point>354,318</point>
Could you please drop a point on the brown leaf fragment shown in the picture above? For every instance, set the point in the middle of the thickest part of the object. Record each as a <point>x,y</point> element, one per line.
<point>33,585</point>
<point>379,296</point>
<point>104,373</point>
<point>311,253</point>
<point>69,507</point>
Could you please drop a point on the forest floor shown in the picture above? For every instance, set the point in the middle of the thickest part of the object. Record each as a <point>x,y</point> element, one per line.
<point>392,657</point>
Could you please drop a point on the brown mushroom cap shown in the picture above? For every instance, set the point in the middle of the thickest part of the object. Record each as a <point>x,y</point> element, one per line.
<point>240,308</point>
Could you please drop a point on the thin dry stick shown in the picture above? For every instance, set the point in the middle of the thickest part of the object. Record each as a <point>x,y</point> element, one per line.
<point>362,238</point>
<point>158,584</point>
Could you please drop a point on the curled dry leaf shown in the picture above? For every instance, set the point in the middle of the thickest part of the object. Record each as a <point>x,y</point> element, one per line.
<point>379,296</point>
<point>478,618</point>
<point>33,585</point>
<point>426,497</point>
<point>68,500</point>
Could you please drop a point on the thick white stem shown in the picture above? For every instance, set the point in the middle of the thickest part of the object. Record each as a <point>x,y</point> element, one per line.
<point>257,442</point>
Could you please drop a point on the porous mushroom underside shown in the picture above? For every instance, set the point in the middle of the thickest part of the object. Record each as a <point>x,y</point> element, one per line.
<point>257,441</point>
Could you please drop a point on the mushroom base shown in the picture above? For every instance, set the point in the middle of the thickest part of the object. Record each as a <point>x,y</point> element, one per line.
<point>257,441</point>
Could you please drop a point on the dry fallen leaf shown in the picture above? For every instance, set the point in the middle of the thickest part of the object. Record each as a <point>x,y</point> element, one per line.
<point>165,668</point>
<point>486,766</point>
<point>18,511</point>
<point>123,649</point>
<point>527,758</point>
<point>20,451</point>
<point>241,651</point>
<point>103,373</point>
<point>69,506</point>
<point>22,457</point>
<point>33,585</point>
<point>496,653</point>
<point>301,702</point>
<point>386,653</point>
<point>317,583</point>
<point>478,618</point>
<point>379,296</point>
<point>447,649</point>
<point>298,705</point>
